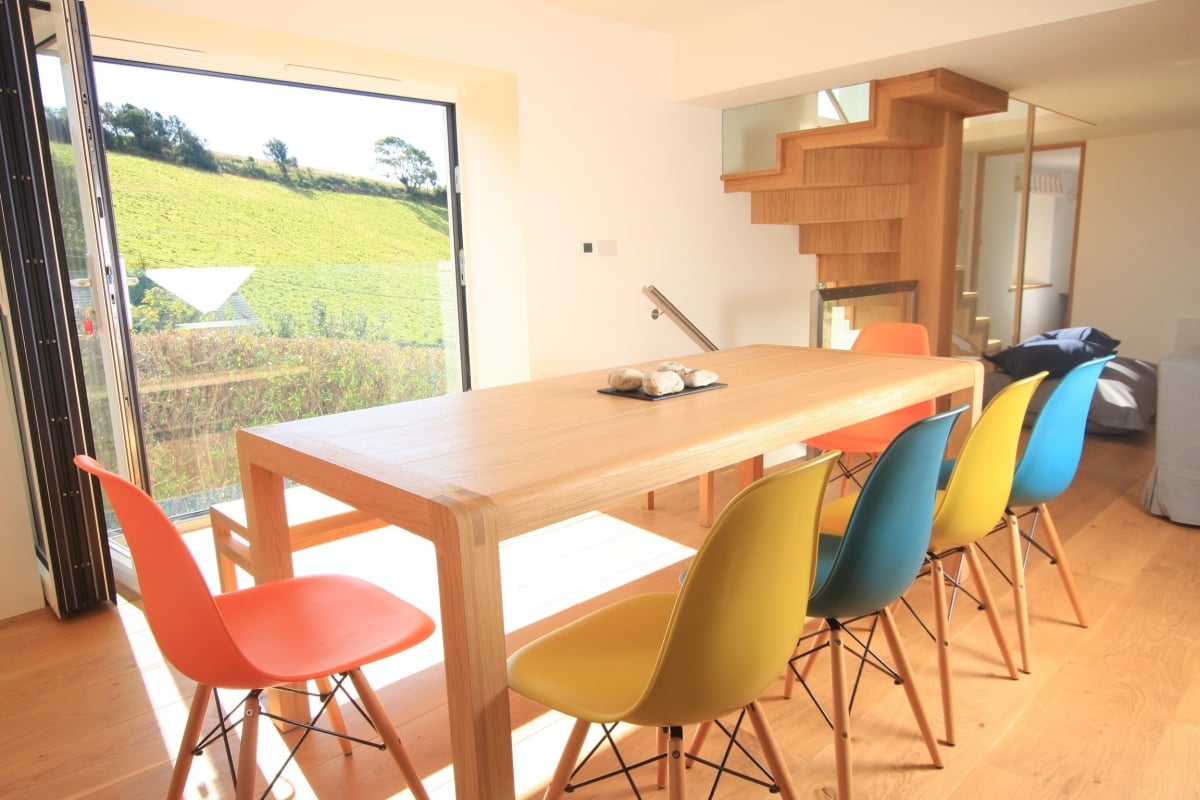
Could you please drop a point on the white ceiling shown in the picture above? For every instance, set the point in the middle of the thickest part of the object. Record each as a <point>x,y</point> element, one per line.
<point>1130,70</point>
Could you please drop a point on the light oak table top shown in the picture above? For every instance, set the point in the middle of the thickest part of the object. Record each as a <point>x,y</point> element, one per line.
<point>468,470</point>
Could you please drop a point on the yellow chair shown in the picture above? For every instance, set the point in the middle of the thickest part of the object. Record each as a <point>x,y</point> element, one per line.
<point>672,659</point>
<point>973,500</point>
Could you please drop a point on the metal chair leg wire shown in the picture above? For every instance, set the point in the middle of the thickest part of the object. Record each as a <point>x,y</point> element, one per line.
<point>231,720</point>
<point>722,767</point>
<point>865,655</point>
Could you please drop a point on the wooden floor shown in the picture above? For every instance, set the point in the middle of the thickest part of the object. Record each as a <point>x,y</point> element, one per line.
<point>1111,711</point>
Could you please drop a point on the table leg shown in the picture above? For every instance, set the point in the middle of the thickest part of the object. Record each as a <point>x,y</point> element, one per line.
<point>468,562</point>
<point>973,396</point>
<point>270,552</point>
<point>749,471</point>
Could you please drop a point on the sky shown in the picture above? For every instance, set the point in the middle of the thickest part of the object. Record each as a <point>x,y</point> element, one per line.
<point>323,129</point>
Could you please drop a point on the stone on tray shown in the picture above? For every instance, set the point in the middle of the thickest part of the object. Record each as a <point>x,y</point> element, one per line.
<point>625,379</point>
<point>699,377</point>
<point>672,366</point>
<point>657,384</point>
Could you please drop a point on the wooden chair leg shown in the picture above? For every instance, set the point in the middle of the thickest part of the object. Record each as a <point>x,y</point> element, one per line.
<point>1060,558</point>
<point>383,726</point>
<point>336,721</point>
<point>697,742</point>
<point>708,502</point>
<point>789,677</point>
<point>661,741</point>
<point>676,780</point>
<point>822,638</point>
<point>841,713</point>
<point>989,602</point>
<point>1020,599</point>
<point>247,769</point>
<point>940,611</point>
<point>566,762</point>
<point>771,752</point>
<point>749,471</point>
<point>904,670</point>
<point>191,737</point>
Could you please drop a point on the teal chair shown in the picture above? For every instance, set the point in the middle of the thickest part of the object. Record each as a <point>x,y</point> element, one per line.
<point>1047,467</point>
<point>871,549</point>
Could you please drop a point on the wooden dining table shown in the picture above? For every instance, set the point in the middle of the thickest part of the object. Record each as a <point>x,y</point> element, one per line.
<point>469,470</point>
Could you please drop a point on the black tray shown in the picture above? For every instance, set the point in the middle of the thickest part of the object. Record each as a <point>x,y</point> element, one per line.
<point>639,394</point>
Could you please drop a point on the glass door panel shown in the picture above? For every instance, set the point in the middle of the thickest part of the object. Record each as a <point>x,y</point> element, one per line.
<point>97,302</point>
<point>293,252</point>
<point>1050,238</point>
<point>1017,231</point>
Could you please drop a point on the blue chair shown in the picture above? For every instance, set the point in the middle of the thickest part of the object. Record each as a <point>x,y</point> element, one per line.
<point>871,549</point>
<point>1045,470</point>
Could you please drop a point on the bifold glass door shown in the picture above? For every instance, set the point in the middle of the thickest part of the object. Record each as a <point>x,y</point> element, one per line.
<point>198,282</point>
<point>59,254</point>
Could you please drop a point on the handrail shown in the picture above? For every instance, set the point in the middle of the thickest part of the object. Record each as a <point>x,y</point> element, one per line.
<point>665,306</point>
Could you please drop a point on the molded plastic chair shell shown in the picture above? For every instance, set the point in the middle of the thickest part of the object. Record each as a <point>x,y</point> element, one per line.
<point>874,558</point>
<point>283,632</point>
<point>1051,456</point>
<point>976,492</point>
<point>873,435</point>
<point>880,545</point>
<point>672,659</point>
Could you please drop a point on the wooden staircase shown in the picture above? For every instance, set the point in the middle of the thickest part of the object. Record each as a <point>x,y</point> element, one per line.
<point>877,201</point>
<point>971,331</point>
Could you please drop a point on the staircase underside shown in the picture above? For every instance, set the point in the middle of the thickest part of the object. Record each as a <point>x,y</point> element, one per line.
<point>877,201</point>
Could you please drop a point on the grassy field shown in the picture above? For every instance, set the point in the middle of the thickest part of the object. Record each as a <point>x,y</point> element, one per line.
<point>371,261</point>
<point>352,293</point>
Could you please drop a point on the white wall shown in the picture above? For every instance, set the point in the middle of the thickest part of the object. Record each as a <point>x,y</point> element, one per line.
<point>1137,269</point>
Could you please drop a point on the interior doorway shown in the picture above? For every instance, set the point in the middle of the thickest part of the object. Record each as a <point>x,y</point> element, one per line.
<point>1017,232</point>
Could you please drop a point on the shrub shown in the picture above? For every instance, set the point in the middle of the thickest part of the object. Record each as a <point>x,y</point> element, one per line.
<point>198,387</point>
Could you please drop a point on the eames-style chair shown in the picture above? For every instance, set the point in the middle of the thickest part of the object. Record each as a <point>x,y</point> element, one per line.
<point>671,659</point>
<point>1045,470</point>
<point>871,549</point>
<point>869,438</point>
<point>273,635</point>
<point>974,498</point>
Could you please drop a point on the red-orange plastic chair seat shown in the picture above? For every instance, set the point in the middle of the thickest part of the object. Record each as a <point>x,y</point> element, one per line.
<point>320,638</point>
<point>875,434</point>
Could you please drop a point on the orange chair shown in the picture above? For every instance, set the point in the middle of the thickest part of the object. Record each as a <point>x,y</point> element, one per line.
<point>872,437</point>
<point>278,633</point>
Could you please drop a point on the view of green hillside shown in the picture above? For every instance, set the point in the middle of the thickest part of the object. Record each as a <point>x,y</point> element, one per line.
<point>351,303</point>
<point>360,255</point>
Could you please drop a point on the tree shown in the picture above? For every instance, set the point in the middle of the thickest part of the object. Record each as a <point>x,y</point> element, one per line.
<point>410,165</point>
<point>277,151</point>
<point>149,134</point>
